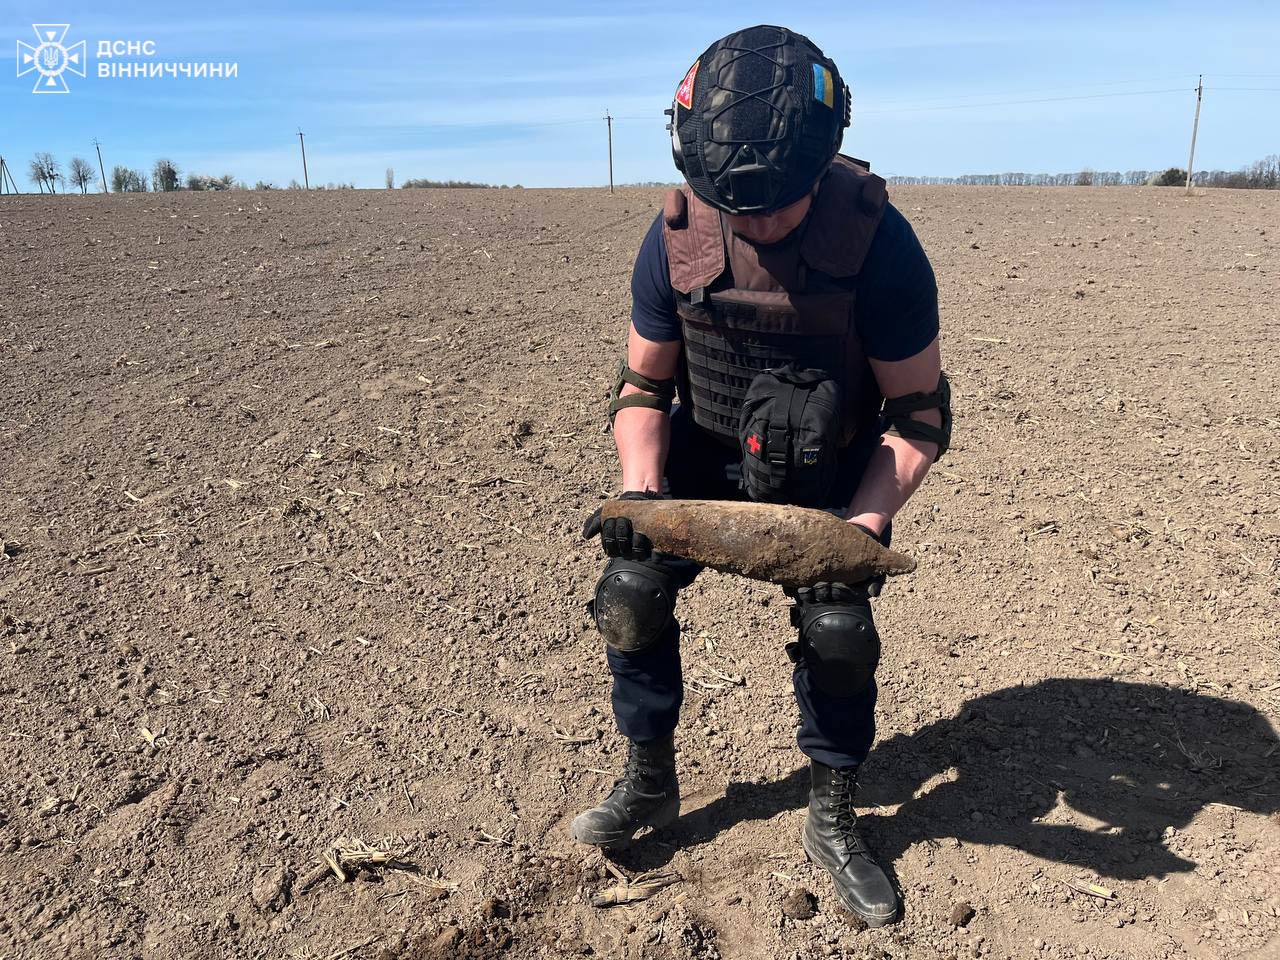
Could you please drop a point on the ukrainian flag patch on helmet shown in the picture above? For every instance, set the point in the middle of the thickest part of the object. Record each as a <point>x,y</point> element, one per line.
<point>823,87</point>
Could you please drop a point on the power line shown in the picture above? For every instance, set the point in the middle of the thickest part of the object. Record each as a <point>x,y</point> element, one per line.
<point>427,128</point>
<point>1007,103</point>
<point>911,101</point>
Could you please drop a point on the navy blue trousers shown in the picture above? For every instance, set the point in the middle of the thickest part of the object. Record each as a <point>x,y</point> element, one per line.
<point>648,686</point>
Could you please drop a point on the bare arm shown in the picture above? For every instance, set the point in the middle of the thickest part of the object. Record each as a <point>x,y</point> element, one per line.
<point>898,465</point>
<point>643,434</point>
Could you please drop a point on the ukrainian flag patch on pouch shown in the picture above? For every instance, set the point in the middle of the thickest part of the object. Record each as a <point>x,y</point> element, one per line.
<point>823,87</point>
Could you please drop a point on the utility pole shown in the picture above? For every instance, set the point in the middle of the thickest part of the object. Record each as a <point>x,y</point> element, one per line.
<point>102,170</point>
<point>608,119</point>
<point>305,182</point>
<point>1195,128</point>
<point>4,187</point>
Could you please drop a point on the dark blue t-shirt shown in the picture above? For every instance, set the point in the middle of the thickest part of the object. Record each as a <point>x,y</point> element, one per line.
<point>895,309</point>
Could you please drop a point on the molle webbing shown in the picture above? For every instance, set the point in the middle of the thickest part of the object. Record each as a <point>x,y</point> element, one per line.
<point>745,309</point>
<point>721,368</point>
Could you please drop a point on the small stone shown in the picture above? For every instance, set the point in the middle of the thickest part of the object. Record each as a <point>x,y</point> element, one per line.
<point>271,891</point>
<point>447,939</point>
<point>799,904</point>
<point>495,909</point>
<point>961,914</point>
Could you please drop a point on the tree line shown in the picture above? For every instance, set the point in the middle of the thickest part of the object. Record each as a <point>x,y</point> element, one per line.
<point>421,183</point>
<point>47,175</point>
<point>1262,175</point>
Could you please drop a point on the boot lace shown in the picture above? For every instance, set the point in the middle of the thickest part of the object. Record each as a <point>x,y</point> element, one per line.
<point>636,775</point>
<point>843,786</point>
<point>632,772</point>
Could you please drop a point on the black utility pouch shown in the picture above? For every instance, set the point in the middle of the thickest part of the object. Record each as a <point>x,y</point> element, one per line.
<point>790,430</point>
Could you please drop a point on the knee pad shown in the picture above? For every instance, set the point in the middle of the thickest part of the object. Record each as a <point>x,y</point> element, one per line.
<point>839,645</point>
<point>634,605</point>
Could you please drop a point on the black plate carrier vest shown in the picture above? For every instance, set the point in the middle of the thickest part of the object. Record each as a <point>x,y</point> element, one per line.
<point>745,308</point>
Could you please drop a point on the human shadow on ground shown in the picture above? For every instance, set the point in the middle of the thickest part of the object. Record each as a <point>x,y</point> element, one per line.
<point>1134,759</point>
<point>741,802</point>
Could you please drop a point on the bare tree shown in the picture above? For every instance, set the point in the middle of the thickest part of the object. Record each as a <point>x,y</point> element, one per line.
<point>81,174</point>
<point>52,171</point>
<point>45,171</point>
<point>391,178</point>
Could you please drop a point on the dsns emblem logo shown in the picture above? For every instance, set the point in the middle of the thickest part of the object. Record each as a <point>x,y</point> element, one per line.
<point>50,58</point>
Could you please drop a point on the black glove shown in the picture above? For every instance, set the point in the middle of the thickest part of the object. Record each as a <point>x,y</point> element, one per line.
<point>824,593</point>
<point>617,536</point>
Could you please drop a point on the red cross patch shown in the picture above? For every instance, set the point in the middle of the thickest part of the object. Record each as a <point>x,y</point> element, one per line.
<point>754,445</point>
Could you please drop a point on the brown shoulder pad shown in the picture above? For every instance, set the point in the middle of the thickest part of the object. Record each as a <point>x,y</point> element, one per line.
<point>845,218</point>
<point>675,210</point>
<point>695,248</point>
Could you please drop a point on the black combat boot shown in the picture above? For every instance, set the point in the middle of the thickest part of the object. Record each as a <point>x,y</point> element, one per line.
<point>832,841</point>
<point>647,795</point>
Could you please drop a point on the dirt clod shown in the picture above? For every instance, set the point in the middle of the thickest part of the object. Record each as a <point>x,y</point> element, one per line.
<point>271,889</point>
<point>799,904</point>
<point>961,914</point>
<point>495,909</point>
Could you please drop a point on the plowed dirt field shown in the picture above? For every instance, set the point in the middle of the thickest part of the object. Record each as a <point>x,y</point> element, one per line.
<point>291,501</point>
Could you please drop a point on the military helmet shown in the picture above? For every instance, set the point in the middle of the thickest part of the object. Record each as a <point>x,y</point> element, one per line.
<point>757,120</point>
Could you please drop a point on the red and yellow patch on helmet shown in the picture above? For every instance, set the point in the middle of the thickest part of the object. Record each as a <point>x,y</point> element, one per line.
<point>684,93</point>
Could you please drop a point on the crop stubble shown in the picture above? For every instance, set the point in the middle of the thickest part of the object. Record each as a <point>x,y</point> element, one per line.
<point>290,516</point>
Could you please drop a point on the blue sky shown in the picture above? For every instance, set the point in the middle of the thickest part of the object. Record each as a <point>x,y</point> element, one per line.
<point>516,92</point>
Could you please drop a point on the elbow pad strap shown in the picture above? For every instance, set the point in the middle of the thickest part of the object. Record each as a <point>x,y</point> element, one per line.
<point>657,394</point>
<point>897,420</point>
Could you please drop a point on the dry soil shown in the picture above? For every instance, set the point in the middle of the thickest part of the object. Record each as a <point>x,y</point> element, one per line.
<point>291,501</point>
